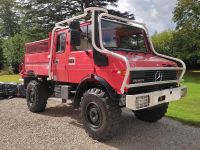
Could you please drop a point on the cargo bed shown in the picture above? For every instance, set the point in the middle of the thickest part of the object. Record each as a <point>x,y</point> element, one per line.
<point>36,57</point>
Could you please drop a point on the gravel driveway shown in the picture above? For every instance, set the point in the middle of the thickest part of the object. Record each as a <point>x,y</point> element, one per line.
<point>59,127</point>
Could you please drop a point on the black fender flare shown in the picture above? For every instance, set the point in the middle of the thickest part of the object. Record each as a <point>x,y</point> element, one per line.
<point>90,82</point>
<point>30,76</point>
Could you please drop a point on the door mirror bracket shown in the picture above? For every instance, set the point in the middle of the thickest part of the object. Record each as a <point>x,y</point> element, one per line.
<point>75,37</point>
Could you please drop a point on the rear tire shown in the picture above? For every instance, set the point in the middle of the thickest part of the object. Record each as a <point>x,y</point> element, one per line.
<point>101,115</point>
<point>36,96</point>
<point>153,114</point>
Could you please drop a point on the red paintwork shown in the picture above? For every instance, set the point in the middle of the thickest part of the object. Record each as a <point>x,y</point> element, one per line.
<point>84,64</point>
<point>37,62</point>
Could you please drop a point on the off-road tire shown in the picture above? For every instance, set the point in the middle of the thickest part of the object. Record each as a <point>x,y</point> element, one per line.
<point>153,114</point>
<point>108,110</point>
<point>36,96</point>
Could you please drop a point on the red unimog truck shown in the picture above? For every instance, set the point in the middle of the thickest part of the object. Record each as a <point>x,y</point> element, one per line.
<point>102,64</point>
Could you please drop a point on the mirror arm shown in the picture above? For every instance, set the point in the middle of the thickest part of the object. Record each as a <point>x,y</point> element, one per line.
<point>87,52</point>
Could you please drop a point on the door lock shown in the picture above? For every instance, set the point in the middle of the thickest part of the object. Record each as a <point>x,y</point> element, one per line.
<point>56,61</point>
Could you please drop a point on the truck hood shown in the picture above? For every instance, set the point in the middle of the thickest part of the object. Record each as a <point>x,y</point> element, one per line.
<point>147,60</point>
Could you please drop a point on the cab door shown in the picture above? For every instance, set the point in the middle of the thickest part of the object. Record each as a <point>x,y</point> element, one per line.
<point>80,59</point>
<point>60,57</point>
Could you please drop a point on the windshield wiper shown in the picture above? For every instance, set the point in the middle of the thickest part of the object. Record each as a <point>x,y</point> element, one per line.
<point>119,49</point>
<point>125,49</point>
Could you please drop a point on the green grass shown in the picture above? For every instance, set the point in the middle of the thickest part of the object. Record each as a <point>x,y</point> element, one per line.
<point>187,110</point>
<point>10,78</point>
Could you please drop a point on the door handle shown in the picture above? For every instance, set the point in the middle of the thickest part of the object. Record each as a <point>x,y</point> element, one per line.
<point>56,61</point>
<point>71,61</point>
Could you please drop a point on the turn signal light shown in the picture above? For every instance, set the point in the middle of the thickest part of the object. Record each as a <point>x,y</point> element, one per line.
<point>121,72</point>
<point>142,101</point>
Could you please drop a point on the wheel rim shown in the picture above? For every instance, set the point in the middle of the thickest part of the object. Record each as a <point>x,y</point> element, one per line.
<point>93,115</point>
<point>31,97</point>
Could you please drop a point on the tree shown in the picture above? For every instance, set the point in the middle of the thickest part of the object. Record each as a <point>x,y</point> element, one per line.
<point>105,3</point>
<point>41,16</point>
<point>9,18</point>
<point>163,42</point>
<point>96,3</point>
<point>187,35</point>
<point>13,49</point>
<point>1,55</point>
<point>187,12</point>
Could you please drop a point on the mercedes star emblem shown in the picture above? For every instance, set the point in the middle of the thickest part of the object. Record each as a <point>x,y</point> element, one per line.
<point>158,76</point>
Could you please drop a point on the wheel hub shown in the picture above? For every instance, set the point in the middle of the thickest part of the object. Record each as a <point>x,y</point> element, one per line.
<point>93,115</point>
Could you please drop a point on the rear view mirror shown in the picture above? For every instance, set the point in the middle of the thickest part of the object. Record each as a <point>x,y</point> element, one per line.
<point>75,33</point>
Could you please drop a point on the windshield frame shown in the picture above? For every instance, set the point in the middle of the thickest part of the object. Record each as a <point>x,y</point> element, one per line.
<point>124,22</point>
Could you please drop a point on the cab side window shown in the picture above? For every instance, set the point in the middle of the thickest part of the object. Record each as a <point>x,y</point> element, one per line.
<point>61,43</point>
<point>85,39</point>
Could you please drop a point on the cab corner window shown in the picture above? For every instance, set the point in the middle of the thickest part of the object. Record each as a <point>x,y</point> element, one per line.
<point>61,43</point>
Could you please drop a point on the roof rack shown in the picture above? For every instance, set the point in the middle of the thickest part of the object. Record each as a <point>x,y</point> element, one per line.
<point>86,12</point>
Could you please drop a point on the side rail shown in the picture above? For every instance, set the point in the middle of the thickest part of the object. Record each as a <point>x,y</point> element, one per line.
<point>142,26</point>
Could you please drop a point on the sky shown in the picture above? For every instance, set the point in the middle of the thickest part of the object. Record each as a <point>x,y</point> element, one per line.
<point>156,14</point>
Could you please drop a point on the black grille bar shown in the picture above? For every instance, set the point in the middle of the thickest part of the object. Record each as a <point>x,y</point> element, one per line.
<point>145,76</point>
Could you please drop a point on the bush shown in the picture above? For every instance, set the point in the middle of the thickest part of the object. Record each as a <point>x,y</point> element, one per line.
<point>1,55</point>
<point>4,72</point>
<point>13,49</point>
<point>163,42</point>
<point>179,44</point>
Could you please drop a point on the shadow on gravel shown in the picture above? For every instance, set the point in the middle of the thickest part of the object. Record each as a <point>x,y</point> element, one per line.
<point>136,134</point>
<point>65,111</point>
<point>61,111</point>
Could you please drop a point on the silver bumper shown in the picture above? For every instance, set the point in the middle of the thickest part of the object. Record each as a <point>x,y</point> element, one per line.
<point>146,100</point>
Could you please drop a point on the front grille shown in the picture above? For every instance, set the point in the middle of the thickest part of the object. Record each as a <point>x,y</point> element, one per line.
<point>145,76</point>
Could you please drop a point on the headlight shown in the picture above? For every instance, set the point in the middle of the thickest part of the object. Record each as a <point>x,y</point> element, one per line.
<point>142,101</point>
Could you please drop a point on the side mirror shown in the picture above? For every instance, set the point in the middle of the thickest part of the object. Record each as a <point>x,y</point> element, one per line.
<point>75,33</point>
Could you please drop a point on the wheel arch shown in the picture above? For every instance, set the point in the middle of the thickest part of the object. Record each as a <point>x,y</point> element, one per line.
<point>32,76</point>
<point>90,82</point>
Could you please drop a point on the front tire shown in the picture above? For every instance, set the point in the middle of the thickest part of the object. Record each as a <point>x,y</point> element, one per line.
<point>36,96</point>
<point>101,116</point>
<point>153,114</point>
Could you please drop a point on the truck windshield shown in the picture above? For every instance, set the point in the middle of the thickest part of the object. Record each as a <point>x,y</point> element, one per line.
<point>119,36</point>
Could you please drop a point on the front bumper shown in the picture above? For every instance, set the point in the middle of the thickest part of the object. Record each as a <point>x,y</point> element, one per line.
<point>147,100</point>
